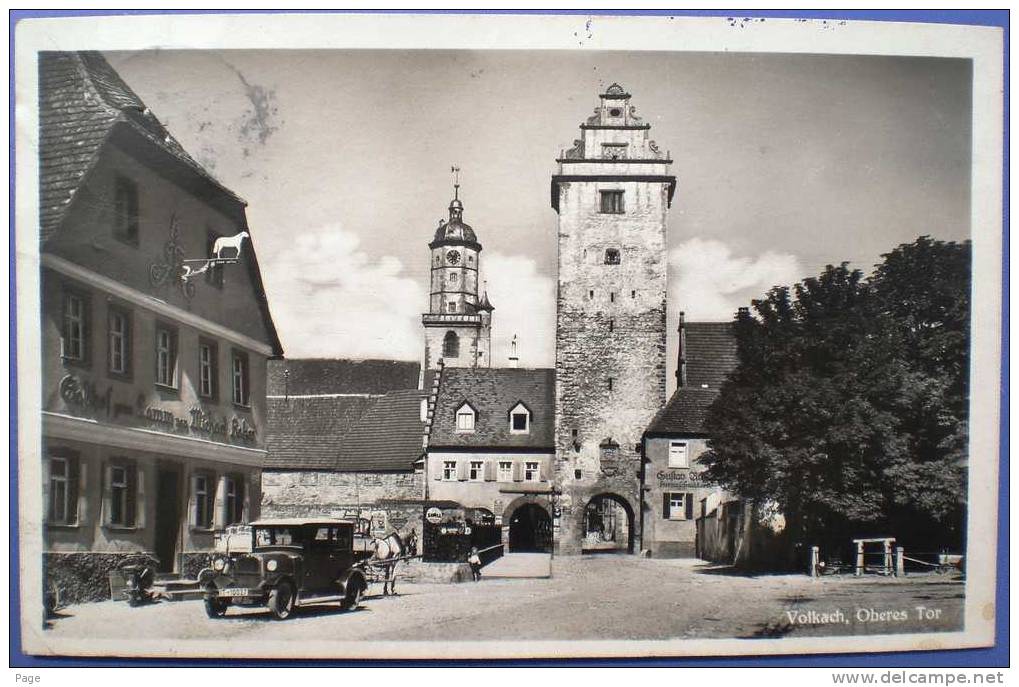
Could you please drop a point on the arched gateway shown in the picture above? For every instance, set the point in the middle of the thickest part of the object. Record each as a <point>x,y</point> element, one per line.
<point>529,526</point>
<point>608,525</point>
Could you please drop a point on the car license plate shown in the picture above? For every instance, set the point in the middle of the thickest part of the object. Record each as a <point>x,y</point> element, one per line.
<point>234,591</point>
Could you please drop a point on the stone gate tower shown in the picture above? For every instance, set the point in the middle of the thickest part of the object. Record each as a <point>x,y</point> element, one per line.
<point>458,324</point>
<point>612,194</point>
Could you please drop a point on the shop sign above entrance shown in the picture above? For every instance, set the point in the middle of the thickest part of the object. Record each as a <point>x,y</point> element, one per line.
<point>433,515</point>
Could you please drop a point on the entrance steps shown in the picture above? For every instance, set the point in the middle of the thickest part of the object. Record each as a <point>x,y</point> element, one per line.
<point>519,566</point>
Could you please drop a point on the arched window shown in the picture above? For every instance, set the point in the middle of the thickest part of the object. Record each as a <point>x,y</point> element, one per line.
<point>451,345</point>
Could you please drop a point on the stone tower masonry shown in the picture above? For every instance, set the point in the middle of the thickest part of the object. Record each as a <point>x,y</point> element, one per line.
<point>458,323</point>
<point>612,194</point>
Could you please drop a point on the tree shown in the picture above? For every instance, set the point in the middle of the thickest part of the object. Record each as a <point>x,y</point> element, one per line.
<point>848,407</point>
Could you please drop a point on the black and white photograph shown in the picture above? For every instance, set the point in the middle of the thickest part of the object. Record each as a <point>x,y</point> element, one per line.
<point>467,336</point>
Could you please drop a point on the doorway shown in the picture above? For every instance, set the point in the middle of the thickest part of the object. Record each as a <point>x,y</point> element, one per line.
<point>530,530</point>
<point>608,525</point>
<point>167,519</point>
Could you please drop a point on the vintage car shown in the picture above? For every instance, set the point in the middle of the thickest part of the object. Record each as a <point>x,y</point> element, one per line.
<point>292,562</point>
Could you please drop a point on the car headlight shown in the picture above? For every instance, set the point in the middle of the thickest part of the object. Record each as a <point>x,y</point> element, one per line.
<point>218,564</point>
<point>271,565</point>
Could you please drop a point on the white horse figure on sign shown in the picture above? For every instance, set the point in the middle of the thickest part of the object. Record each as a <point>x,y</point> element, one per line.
<point>227,243</point>
<point>387,552</point>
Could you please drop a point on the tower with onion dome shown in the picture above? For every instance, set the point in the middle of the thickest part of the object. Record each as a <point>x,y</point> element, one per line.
<point>458,323</point>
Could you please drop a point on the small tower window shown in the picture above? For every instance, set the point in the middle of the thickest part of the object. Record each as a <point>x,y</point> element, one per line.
<point>615,112</point>
<point>612,325</point>
<point>633,294</point>
<point>612,297</point>
<point>453,277</point>
<point>611,256</point>
<point>611,202</point>
<point>590,294</point>
<point>610,383</point>
<point>451,345</point>
<point>451,306</point>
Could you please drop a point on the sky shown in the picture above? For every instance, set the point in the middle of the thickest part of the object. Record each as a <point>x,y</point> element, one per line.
<point>785,163</point>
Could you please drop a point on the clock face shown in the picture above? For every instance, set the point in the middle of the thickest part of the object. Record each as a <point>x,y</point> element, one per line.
<point>453,257</point>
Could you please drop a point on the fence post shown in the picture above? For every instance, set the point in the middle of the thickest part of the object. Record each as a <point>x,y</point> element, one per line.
<point>900,562</point>
<point>859,559</point>
<point>888,557</point>
<point>815,559</point>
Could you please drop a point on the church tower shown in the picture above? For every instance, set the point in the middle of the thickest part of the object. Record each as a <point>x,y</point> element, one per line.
<point>612,194</point>
<point>458,323</point>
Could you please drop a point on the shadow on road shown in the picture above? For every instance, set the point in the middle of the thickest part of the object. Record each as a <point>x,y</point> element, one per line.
<point>733,571</point>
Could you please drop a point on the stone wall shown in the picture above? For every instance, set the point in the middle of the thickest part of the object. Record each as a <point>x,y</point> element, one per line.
<point>286,493</point>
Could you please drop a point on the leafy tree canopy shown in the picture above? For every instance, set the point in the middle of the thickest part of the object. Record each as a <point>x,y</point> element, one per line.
<point>848,409</point>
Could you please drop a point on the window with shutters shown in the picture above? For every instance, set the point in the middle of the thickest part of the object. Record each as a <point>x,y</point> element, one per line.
<point>477,471</point>
<point>166,357</point>
<point>532,472</point>
<point>234,500</point>
<point>239,377</point>
<point>678,455</point>
<point>119,342</point>
<point>123,494</point>
<point>677,506</point>
<point>449,470</point>
<point>63,490</point>
<point>208,369</point>
<point>204,496</point>
<point>505,471</point>
<point>74,344</point>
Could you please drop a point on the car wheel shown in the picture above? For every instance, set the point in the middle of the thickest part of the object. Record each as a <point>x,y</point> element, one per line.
<point>281,600</point>
<point>353,597</point>
<point>215,608</point>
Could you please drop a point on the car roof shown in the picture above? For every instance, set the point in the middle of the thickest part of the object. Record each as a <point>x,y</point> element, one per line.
<point>298,522</point>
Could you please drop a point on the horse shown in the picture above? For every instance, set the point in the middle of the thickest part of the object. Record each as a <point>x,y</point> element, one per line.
<point>224,242</point>
<point>387,551</point>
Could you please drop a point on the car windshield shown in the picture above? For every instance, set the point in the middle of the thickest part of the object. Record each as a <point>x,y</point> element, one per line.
<point>278,536</point>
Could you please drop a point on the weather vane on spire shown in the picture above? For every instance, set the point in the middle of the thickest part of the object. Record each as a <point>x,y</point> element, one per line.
<point>456,181</point>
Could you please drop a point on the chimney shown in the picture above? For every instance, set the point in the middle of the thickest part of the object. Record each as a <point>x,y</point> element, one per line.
<point>514,361</point>
<point>681,368</point>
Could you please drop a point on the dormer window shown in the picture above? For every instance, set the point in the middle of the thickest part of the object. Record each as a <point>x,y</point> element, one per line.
<point>465,418</point>
<point>520,419</point>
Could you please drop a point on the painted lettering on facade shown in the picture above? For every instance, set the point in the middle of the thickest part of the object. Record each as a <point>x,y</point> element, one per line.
<point>670,478</point>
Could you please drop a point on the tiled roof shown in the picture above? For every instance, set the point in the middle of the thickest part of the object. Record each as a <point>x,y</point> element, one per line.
<point>388,436</point>
<point>306,432</point>
<point>81,101</point>
<point>711,355</point>
<point>334,376</point>
<point>492,392</point>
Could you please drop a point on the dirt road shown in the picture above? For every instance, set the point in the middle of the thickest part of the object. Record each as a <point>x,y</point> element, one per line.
<point>598,597</point>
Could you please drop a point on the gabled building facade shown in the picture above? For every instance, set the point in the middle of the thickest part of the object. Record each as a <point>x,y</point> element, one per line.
<point>491,448</point>
<point>154,416</point>
<point>675,493</point>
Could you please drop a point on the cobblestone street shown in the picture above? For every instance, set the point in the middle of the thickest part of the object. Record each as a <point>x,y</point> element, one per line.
<point>601,597</point>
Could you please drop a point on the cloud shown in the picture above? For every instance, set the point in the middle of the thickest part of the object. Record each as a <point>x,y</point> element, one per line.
<point>525,303</point>
<point>709,283</point>
<point>331,299</point>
